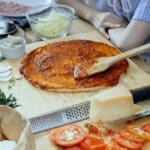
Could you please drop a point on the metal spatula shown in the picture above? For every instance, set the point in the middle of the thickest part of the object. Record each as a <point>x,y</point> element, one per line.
<point>104,63</point>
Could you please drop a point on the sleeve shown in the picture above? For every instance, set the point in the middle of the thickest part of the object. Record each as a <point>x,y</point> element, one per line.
<point>142,11</point>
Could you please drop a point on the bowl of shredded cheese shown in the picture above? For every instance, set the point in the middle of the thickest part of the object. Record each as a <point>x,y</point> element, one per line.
<point>51,21</point>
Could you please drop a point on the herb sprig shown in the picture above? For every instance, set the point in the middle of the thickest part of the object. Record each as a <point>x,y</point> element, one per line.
<point>2,59</point>
<point>9,101</point>
<point>11,83</point>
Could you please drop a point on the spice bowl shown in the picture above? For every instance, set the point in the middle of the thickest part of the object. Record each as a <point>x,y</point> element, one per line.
<point>12,47</point>
<point>50,21</point>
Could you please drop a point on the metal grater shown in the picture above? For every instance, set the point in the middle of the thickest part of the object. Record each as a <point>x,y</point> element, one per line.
<point>69,115</point>
<point>60,117</point>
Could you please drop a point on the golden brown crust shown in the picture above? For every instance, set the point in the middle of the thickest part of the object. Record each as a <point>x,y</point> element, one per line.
<point>51,66</point>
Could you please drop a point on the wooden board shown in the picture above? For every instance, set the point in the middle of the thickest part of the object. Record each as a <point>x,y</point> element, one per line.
<point>39,101</point>
<point>35,101</point>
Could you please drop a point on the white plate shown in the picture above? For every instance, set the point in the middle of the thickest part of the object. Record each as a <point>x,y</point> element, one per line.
<point>31,3</point>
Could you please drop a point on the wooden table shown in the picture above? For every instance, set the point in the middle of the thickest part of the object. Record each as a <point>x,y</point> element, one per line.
<point>35,101</point>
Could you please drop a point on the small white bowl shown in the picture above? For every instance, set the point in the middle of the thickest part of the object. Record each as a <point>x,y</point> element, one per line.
<point>12,47</point>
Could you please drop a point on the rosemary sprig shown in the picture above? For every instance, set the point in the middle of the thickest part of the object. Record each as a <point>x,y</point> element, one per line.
<point>9,101</point>
<point>2,59</point>
<point>11,83</point>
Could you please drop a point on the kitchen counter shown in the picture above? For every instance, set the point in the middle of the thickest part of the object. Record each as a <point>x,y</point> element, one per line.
<point>35,101</point>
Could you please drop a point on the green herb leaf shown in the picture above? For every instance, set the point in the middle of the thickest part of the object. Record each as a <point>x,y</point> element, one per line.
<point>2,59</point>
<point>11,83</point>
<point>9,101</point>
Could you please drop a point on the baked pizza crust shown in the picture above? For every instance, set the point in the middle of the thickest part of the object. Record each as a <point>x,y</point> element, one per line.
<point>51,67</point>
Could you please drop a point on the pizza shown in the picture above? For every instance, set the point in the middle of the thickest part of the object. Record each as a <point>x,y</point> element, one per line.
<point>51,67</point>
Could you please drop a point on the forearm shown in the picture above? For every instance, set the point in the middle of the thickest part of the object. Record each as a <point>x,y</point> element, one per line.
<point>134,35</point>
<point>81,9</point>
<point>117,36</point>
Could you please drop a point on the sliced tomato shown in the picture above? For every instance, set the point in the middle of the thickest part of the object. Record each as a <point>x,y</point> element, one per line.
<point>127,143</point>
<point>93,147</point>
<point>93,139</point>
<point>73,148</point>
<point>70,135</point>
<point>92,142</point>
<point>114,146</point>
<point>130,137</point>
<point>52,134</point>
<point>118,147</point>
<point>93,129</point>
<point>98,147</point>
<point>138,132</point>
<point>146,127</point>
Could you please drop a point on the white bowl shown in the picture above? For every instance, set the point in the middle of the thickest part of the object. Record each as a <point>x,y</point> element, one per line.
<point>11,51</point>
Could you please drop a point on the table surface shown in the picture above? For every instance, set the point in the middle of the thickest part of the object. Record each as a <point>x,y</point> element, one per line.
<point>80,26</point>
<point>35,101</point>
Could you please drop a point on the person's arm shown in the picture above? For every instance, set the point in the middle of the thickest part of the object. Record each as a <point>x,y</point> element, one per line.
<point>82,10</point>
<point>134,35</point>
<point>137,31</point>
<point>100,20</point>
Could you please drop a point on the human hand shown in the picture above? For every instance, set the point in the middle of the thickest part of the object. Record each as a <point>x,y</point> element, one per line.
<point>105,21</point>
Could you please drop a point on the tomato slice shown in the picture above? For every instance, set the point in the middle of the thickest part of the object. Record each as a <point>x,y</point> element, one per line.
<point>93,147</point>
<point>146,127</point>
<point>114,146</point>
<point>93,129</point>
<point>127,143</point>
<point>93,142</point>
<point>52,134</point>
<point>69,135</point>
<point>138,132</point>
<point>130,137</point>
<point>73,148</point>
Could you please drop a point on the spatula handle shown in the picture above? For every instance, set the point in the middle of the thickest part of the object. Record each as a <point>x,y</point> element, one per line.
<point>132,52</point>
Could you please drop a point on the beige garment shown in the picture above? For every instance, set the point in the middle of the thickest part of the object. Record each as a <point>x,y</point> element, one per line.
<point>16,128</point>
